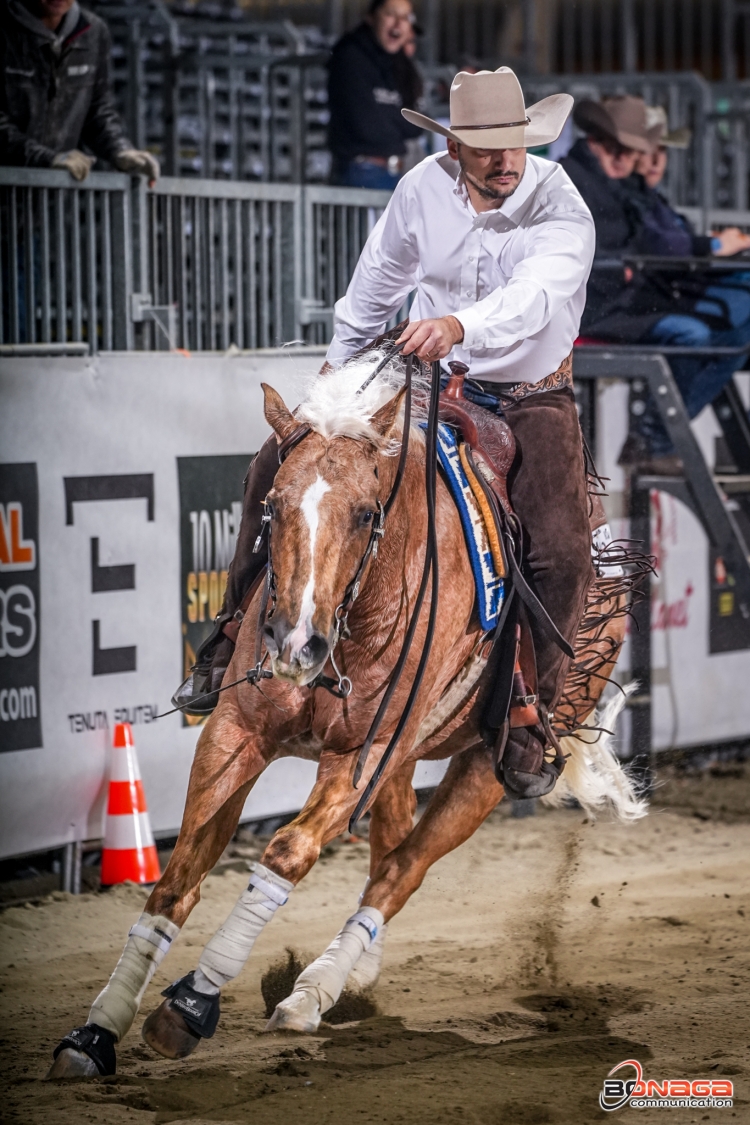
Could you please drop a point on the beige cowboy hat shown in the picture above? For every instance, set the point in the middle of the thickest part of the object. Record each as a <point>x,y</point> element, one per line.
<point>488,111</point>
<point>656,120</point>
<point>623,119</point>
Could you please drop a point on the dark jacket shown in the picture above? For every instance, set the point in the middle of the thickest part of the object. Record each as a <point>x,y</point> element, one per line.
<point>50,102</point>
<point>615,309</point>
<point>663,231</point>
<point>364,100</point>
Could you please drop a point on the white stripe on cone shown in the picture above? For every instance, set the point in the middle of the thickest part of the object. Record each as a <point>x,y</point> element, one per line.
<point>129,830</point>
<point>124,764</point>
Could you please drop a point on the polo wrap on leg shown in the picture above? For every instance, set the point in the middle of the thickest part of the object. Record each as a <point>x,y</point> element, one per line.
<point>230,947</point>
<point>148,944</point>
<point>325,977</point>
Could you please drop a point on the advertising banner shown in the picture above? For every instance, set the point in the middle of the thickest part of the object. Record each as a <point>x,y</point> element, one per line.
<point>121,486</point>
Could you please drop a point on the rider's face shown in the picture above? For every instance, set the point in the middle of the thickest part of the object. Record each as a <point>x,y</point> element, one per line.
<point>494,173</point>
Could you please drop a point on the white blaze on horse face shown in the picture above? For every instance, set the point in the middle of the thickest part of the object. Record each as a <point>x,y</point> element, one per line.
<point>302,631</point>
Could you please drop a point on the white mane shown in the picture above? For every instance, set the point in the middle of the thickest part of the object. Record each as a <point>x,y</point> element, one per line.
<point>334,408</point>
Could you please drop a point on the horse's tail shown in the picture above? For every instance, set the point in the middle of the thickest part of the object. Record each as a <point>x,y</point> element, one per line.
<point>593,774</point>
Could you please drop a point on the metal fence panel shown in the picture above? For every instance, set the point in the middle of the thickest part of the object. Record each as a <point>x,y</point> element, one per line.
<point>195,264</point>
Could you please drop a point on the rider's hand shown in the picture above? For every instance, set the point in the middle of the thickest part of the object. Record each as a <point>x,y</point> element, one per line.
<point>431,339</point>
<point>732,240</point>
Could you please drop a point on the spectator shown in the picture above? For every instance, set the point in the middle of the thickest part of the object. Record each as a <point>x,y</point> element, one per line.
<point>411,87</point>
<point>616,134</point>
<point>711,309</point>
<point>367,134</point>
<point>55,93</point>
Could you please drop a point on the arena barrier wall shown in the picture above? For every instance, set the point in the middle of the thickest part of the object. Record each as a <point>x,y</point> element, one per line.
<point>120,486</point>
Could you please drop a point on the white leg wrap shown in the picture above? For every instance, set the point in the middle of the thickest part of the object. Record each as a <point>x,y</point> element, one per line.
<point>365,972</point>
<point>148,944</point>
<point>319,986</point>
<point>229,948</point>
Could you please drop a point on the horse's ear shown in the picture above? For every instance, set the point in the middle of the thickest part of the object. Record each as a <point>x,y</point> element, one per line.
<point>279,418</point>
<point>383,420</point>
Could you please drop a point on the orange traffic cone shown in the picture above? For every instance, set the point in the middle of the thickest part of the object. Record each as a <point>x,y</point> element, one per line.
<point>129,852</point>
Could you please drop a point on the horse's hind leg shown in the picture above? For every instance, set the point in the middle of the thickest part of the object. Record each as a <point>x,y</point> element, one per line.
<point>219,783</point>
<point>465,797</point>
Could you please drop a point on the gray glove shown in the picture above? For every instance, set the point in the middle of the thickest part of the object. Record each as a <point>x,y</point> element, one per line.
<point>139,162</point>
<point>77,163</point>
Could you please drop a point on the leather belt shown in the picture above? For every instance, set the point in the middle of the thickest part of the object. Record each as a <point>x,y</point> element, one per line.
<point>509,393</point>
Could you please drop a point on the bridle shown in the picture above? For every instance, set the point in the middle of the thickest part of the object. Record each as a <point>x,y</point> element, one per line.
<point>342,685</point>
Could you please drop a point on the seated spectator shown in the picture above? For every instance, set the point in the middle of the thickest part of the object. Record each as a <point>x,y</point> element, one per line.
<point>631,216</point>
<point>368,85</point>
<point>720,301</point>
<point>598,164</point>
<point>55,93</point>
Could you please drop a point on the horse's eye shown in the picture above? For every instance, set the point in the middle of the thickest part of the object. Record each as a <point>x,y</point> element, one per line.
<point>366,518</point>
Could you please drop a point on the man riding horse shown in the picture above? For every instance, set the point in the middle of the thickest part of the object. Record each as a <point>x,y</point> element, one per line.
<point>498,245</point>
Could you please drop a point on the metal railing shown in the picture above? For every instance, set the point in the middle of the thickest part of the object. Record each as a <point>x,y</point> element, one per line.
<point>193,264</point>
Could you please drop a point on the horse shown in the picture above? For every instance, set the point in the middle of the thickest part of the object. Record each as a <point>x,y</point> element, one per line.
<point>325,514</point>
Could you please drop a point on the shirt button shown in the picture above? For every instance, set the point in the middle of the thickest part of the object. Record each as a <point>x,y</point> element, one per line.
<point>468,292</point>
<point>470,258</point>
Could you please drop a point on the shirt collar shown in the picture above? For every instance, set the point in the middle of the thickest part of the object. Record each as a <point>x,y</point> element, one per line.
<point>512,205</point>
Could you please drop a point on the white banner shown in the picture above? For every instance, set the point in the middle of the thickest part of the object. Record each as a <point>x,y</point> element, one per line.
<point>120,487</point>
<point>120,492</point>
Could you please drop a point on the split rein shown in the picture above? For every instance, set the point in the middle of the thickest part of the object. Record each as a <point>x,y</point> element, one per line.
<point>341,687</point>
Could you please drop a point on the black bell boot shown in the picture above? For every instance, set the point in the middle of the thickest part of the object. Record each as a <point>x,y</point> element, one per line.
<point>523,770</point>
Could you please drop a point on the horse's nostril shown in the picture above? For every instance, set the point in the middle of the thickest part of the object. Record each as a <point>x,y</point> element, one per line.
<point>314,651</point>
<point>270,640</point>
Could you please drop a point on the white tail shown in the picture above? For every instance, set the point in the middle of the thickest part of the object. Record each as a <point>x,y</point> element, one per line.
<point>592,774</point>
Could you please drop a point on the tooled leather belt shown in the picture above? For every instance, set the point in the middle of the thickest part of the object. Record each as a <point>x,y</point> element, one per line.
<point>510,393</point>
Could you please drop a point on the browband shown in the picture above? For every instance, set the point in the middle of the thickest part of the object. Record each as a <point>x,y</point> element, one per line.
<point>502,125</point>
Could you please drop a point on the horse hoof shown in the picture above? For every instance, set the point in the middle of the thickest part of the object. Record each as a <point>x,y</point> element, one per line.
<point>73,1064</point>
<point>166,1032</point>
<point>299,1012</point>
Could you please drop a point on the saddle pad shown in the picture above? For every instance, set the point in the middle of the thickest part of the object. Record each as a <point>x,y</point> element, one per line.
<point>489,585</point>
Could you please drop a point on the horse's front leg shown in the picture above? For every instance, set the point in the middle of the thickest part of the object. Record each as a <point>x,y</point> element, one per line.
<point>191,1012</point>
<point>465,797</point>
<point>227,762</point>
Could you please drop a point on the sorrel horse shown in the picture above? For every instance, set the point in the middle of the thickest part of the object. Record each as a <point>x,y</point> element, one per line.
<point>326,495</point>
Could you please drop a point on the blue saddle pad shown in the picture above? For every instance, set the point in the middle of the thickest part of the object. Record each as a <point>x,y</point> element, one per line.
<point>490,586</point>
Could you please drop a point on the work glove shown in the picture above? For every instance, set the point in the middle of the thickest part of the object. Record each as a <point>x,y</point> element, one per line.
<point>140,163</point>
<point>77,163</point>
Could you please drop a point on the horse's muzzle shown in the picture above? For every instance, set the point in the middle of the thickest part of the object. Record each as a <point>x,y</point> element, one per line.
<point>300,664</point>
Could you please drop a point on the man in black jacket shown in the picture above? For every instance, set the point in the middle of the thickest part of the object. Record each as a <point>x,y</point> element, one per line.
<point>599,165</point>
<point>367,134</point>
<point>55,91</point>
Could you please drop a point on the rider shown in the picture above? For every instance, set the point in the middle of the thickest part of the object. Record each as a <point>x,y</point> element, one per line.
<point>498,245</point>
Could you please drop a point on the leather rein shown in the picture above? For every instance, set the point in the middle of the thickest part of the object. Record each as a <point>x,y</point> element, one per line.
<point>342,686</point>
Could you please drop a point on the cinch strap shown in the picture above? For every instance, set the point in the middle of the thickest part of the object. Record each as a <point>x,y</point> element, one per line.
<point>156,937</point>
<point>276,894</point>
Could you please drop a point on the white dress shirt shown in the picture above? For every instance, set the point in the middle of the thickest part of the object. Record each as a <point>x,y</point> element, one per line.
<point>515,277</point>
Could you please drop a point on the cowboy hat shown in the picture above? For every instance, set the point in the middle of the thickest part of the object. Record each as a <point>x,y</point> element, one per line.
<point>621,119</point>
<point>656,120</point>
<point>488,111</point>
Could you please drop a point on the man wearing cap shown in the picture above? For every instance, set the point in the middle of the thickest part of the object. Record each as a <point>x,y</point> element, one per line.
<point>498,245</point>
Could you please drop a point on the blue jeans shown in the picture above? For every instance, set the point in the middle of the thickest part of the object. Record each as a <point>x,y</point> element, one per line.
<point>362,173</point>
<point>700,379</point>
